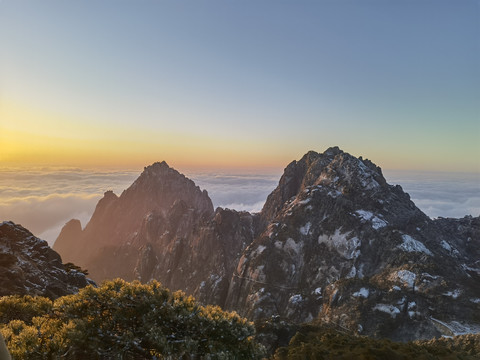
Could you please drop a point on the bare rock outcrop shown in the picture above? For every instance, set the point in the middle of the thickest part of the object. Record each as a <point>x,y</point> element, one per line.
<point>334,241</point>
<point>28,266</point>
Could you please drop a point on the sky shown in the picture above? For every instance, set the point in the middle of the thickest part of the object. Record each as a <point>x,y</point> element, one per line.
<point>119,84</point>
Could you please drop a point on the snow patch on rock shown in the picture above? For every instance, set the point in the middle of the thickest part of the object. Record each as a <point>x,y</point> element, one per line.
<point>344,244</point>
<point>259,249</point>
<point>453,294</point>
<point>446,245</point>
<point>409,244</point>
<point>291,245</point>
<point>366,178</point>
<point>363,292</point>
<point>352,273</point>
<point>305,229</point>
<point>334,193</point>
<point>377,222</point>
<point>405,277</point>
<point>304,202</point>
<point>469,268</point>
<point>393,311</point>
<point>295,299</point>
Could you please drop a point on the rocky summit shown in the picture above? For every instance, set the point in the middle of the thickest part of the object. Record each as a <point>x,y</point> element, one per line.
<point>344,246</point>
<point>28,266</point>
<point>162,227</point>
<point>334,242</point>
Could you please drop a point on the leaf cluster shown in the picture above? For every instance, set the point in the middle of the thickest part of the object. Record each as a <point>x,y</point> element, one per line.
<point>125,321</point>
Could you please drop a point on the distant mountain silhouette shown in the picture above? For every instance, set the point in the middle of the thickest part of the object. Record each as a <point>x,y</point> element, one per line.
<point>333,241</point>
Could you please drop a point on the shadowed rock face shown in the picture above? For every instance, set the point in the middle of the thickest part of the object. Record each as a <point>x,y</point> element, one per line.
<point>343,245</point>
<point>333,241</point>
<point>28,266</point>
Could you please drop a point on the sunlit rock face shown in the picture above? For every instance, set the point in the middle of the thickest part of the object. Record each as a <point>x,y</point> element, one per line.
<point>162,227</point>
<point>333,241</point>
<point>28,266</point>
<point>117,220</point>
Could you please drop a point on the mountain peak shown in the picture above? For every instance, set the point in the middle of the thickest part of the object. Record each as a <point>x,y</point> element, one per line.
<point>158,165</point>
<point>158,169</point>
<point>334,169</point>
<point>116,220</point>
<point>331,152</point>
<point>163,185</point>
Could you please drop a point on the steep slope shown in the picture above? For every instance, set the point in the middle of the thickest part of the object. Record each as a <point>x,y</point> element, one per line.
<point>162,227</point>
<point>343,245</point>
<point>334,241</point>
<point>116,220</point>
<point>28,266</point>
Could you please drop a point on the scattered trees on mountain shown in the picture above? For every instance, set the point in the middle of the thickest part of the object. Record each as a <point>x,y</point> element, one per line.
<point>125,321</point>
<point>323,343</point>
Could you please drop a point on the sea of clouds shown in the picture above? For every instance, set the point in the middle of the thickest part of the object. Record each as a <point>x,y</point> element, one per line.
<point>43,200</point>
<point>440,194</point>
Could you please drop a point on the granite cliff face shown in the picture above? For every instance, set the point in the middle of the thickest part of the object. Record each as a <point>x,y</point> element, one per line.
<point>344,246</point>
<point>117,220</point>
<point>333,241</point>
<point>162,227</point>
<point>28,266</point>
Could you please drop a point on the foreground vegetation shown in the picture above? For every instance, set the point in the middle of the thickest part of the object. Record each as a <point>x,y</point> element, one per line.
<point>321,343</point>
<point>121,320</point>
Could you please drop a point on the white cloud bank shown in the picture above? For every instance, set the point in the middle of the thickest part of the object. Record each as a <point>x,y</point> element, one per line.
<point>244,192</point>
<point>44,200</point>
<point>440,194</point>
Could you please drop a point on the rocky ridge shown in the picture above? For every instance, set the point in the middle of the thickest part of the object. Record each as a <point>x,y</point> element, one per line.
<point>334,241</point>
<point>162,227</point>
<point>344,246</point>
<point>28,266</point>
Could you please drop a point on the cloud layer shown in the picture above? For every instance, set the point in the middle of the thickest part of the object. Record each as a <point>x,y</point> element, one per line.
<point>43,200</point>
<point>440,194</point>
<point>237,191</point>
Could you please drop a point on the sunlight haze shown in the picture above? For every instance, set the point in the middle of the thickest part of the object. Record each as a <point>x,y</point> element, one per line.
<point>239,84</point>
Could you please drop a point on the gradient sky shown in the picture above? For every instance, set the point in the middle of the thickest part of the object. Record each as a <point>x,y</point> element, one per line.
<point>239,83</point>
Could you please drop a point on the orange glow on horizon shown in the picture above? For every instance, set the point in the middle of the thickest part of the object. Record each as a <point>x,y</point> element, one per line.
<point>38,137</point>
<point>41,138</point>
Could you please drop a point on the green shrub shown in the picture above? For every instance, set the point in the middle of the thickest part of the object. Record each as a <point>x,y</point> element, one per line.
<point>318,343</point>
<point>15,307</point>
<point>131,321</point>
